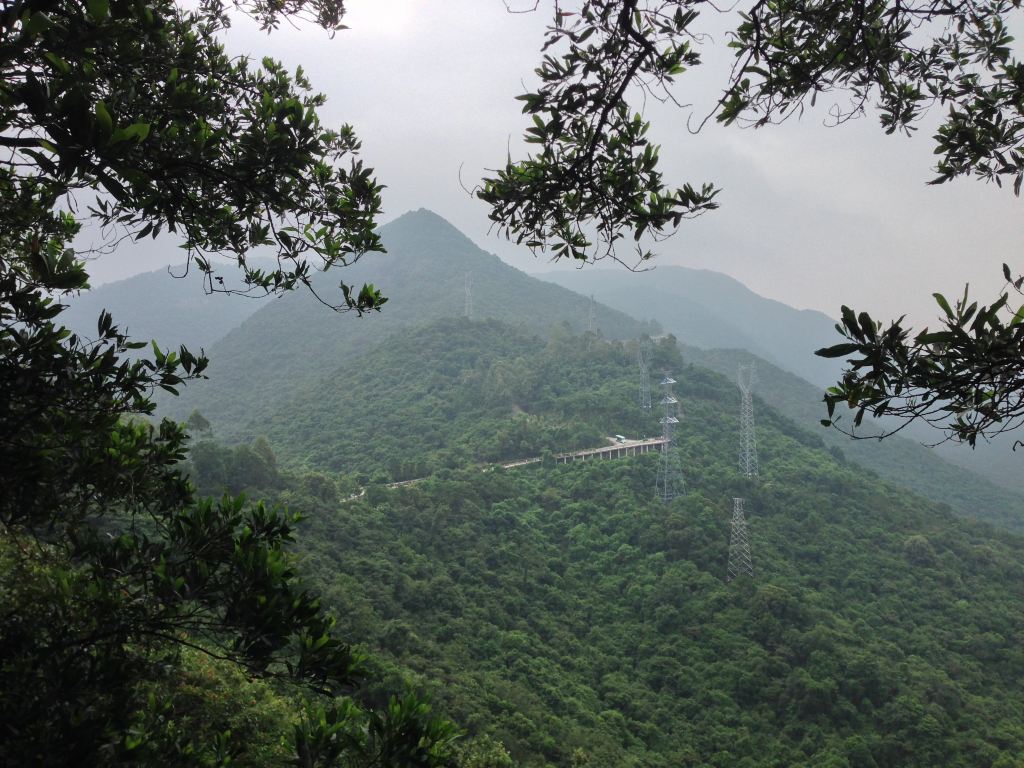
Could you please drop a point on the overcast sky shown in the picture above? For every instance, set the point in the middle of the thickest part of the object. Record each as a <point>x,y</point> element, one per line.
<point>812,216</point>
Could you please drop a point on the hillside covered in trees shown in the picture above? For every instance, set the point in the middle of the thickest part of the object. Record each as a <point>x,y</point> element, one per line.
<point>565,613</point>
<point>287,347</point>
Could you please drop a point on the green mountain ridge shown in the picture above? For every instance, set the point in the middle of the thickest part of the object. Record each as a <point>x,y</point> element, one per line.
<point>285,348</point>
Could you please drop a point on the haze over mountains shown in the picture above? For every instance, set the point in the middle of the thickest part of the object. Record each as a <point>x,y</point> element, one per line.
<point>267,354</point>
<point>163,307</point>
<point>710,310</point>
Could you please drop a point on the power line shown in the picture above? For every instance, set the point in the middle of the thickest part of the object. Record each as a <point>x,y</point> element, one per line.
<point>643,360</point>
<point>669,483</point>
<point>740,563</point>
<point>745,376</point>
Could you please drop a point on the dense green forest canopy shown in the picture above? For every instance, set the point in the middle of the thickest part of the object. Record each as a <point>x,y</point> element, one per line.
<point>564,612</point>
<point>458,393</point>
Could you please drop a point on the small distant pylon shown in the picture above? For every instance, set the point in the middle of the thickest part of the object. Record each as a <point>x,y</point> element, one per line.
<point>643,360</point>
<point>669,483</point>
<point>740,563</point>
<point>745,376</point>
<point>590,324</point>
<point>468,312</point>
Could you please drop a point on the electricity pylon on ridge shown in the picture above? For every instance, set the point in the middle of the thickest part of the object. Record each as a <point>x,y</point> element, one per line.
<point>740,563</point>
<point>468,311</point>
<point>669,483</point>
<point>745,376</point>
<point>643,359</point>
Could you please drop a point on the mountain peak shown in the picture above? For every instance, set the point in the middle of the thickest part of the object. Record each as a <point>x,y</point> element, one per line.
<point>422,221</point>
<point>430,241</point>
<point>422,215</point>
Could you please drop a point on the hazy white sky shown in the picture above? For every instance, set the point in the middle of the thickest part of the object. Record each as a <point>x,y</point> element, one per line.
<point>812,216</point>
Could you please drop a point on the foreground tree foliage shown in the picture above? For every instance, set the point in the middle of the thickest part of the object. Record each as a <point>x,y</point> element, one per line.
<point>133,116</point>
<point>594,178</point>
<point>965,378</point>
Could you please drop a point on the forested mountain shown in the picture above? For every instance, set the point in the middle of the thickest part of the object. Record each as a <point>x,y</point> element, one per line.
<point>286,347</point>
<point>458,392</point>
<point>709,310</point>
<point>269,370</point>
<point>452,394</point>
<point>566,613</point>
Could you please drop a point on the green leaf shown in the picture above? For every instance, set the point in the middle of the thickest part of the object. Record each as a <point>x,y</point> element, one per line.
<point>57,62</point>
<point>838,350</point>
<point>103,119</point>
<point>941,300</point>
<point>939,337</point>
<point>850,320</point>
<point>98,9</point>
<point>136,131</point>
<point>39,22</point>
<point>132,742</point>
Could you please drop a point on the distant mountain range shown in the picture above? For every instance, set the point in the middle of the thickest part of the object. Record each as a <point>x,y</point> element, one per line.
<point>713,311</point>
<point>159,306</point>
<point>267,355</point>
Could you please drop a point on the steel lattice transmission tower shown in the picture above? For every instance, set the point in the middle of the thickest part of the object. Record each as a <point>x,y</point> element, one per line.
<point>740,563</point>
<point>669,483</point>
<point>468,312</point>
<point>590,315</point>
<point>748,437</point>
<point>643,360</point>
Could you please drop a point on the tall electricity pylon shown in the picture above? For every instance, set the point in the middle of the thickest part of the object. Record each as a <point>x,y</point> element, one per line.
<point>468,312</point>
<point>643,360</point>
<point>740,563</point>
<point>590,315</point>
<point>669,483</point>
<point>748,437</point>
